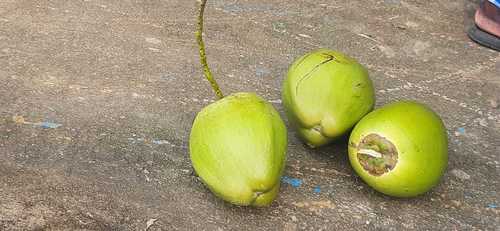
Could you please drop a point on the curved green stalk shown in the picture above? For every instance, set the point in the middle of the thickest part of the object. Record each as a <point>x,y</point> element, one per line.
<point>203,56</point>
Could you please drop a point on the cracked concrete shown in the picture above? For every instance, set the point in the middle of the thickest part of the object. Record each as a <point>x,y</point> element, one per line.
<point>123,79</point>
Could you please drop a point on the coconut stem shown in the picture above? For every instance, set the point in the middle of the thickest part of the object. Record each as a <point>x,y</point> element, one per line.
<point>203,56</point>
<point>370,152</point>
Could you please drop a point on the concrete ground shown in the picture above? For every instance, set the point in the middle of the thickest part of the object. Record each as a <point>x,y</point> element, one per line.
<point>108,90</point>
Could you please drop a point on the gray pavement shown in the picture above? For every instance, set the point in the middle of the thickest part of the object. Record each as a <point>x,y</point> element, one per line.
<point>120,83</point>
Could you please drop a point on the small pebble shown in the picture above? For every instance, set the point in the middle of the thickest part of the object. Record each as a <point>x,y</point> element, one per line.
<point>483,122</point>
<point>493,103</point>
<point>456,203</point>
<point>460,174</point>
<point>276,101</point>
<point>153,40</point>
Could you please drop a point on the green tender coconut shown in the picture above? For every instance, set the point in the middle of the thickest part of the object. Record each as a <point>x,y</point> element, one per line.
<point>238,148</point>
<point>400,149</point>
<point>325,94</point>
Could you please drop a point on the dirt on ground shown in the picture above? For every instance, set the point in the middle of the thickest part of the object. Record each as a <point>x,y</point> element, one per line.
<point>97,98</point>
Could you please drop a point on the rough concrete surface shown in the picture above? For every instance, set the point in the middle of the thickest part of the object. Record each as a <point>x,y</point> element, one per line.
<point>123,81</point>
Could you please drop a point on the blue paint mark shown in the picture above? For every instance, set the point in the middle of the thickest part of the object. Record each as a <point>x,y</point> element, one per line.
<point>492,206</point>
<point>294,182</point>
<point>317,189</point>
<point>461,130</point>
<point>160,142</point>
<point>49,125</point>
